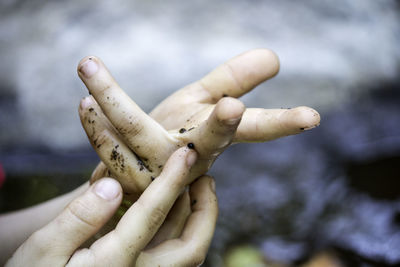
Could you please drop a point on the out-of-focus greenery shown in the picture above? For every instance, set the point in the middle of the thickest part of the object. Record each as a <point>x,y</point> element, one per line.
<point>20,192</point>
<point>246,256</point>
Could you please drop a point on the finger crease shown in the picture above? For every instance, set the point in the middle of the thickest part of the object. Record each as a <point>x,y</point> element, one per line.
<point>234,78</point>
<point>80,218</point>
<point>212,98</point>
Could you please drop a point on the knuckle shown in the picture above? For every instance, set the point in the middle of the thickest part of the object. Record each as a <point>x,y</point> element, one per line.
<point>38,243</point>
<point>130,128</point>
<point>156,218</point>
<point>101,138</point>
<point>233,77</point>
<point>82,213</point>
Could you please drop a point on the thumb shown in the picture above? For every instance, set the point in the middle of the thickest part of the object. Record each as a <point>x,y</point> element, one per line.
<point>80,220</point>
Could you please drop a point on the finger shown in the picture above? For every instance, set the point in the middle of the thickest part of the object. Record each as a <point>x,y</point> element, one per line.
<point>241,74</point>
<point>258,125</point>
<point>234,78</point>
<point>81,219</point>
<point>139,224</point>
<point>213,135</point>
<point>204,203</point>
<point>191,248</point>
<point>100,171</point>
<point>122,163</point>
<point>142,134</point>
<point>175,221</point>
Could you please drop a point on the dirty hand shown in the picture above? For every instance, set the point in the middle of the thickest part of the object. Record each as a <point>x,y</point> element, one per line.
<point>58,243</point>
<point>206,114</point>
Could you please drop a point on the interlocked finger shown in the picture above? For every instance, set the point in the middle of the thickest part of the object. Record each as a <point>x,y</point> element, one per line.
<point>148,213</point>
<point>215,133</point>
<point>175,221</point>
<point>114,153</point>
<point>141,133</point>
<point>192,246</point>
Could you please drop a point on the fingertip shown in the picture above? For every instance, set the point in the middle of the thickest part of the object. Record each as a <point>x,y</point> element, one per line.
<point>204,182</point>
<point>270,60</point>
<point>107,189</point>
<point>86,102</point>
<point>88,66</point>
<point>184,155</point>
<point>304,118</point>
<point>262,60</point>
<point>188,153</point>
<point>212,185</point>
<point>229,110</point>
<point>83,217</point>
<point>83,60</point>
<point>191,157</point>
<point>314,118</point>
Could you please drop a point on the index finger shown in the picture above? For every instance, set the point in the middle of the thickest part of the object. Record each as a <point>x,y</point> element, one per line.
<point>191,247</point>
<point>139,224</point>
<point>142,133</point>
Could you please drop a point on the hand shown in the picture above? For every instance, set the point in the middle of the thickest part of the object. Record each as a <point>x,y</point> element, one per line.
<point>58,243</point>
<point>198,114</point>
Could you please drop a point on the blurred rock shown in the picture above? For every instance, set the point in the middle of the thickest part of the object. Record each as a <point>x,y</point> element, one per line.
<point>324,259</point>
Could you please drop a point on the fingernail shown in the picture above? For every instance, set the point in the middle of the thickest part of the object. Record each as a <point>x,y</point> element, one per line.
<point>107,189</point>
<point>88,68</point>
<point>212,185</point>
<point>85,102</point>
<point>191,158</point>
<point>309,128</point>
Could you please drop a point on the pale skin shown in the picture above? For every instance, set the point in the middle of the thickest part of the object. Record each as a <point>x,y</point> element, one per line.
<point>205,113</point>
<point>58,243</point>
<point>201,114</point>
<point>217,123</point>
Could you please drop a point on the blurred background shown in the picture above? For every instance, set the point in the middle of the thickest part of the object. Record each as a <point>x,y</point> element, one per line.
<point>327,196</point>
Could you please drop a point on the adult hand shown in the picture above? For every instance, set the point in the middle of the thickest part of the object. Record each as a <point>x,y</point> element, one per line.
<point>58,243</point>
<point>205,113</point>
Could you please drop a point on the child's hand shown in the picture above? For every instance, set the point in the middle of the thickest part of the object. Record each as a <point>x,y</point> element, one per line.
<point>58,243</point>
<point>134,147</point>
<point>235,78</point>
